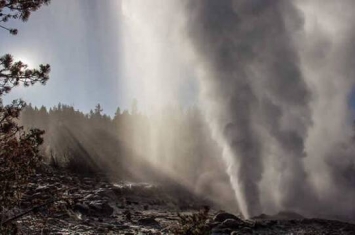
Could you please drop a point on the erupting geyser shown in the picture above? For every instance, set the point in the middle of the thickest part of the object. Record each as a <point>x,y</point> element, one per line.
<point>275,77</point>
<point>253,82</point>
<point>259,83</point>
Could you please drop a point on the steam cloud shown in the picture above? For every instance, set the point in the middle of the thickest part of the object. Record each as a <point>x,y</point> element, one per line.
<point>264,99</point>
<point>275,78</point>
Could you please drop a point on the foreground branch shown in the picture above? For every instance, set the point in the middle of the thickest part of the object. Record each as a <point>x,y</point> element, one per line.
<point>28,211</point>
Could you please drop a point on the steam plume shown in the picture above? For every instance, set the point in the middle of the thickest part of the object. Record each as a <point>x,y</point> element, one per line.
<point>253,84</point>
<point>271,72</point>
<point>327,52</point>
<point>275,78</point>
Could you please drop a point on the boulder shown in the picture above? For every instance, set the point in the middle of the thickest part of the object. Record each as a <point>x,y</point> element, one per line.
<point>82,208</point>
<point>107,194</point>
<point>220,231</point>
<point>288,215</point>
<point>150,221</point>
<point>101,208</point>
<point>261,217</point>
<point>232,223</point>
<point>222,216</point>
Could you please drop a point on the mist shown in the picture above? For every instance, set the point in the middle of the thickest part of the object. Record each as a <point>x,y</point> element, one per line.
<point>246,103</point>
<point>275,79</point>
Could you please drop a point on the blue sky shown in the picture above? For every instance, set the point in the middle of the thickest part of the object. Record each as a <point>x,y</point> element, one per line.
<point>81,42</point>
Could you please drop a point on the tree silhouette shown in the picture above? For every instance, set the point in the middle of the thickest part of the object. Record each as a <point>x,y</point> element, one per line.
<point>18,9</point>
<point>15,73</point>
<point>118,112</point>
<point>19,150</point>
<point>98,109</point>
<point>120,146</point>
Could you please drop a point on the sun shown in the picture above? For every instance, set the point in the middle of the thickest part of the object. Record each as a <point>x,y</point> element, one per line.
<point>24,58</point>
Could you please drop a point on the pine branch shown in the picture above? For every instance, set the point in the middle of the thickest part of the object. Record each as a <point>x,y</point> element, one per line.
<point>28,211</point>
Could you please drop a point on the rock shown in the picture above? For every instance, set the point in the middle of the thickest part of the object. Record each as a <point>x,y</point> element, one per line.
<point>222,216</point>
<point>102,208</point>
<point>261,217</point>
<point>120,226</point>
<point>214,224</point>
<point>42,188</point>
<point>82,208</point>
<point>107,193</point>
<point>128,215</point>
<point>288,215</point>
<point>246,230</point>
<point>121,207</point>
<point>283,215</point>
<point>220,231</point>
<point>148,222</point>
<point>90,197</point>
<point>129,202</point>
<point>232,223</point>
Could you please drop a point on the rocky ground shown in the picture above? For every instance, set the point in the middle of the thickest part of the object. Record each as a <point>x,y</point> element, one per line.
<point>58,203</point>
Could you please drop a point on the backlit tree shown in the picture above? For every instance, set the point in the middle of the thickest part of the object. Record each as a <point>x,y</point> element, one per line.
<point>19,153</point>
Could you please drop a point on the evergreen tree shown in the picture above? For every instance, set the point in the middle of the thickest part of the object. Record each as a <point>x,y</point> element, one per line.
<point>118,112</point>
<point>18,9</point>
<point>19,150</point>
<point>15,73</point>
<point>98,109</point>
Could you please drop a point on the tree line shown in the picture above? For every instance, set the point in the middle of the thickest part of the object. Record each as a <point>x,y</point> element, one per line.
<point>130,145</point>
